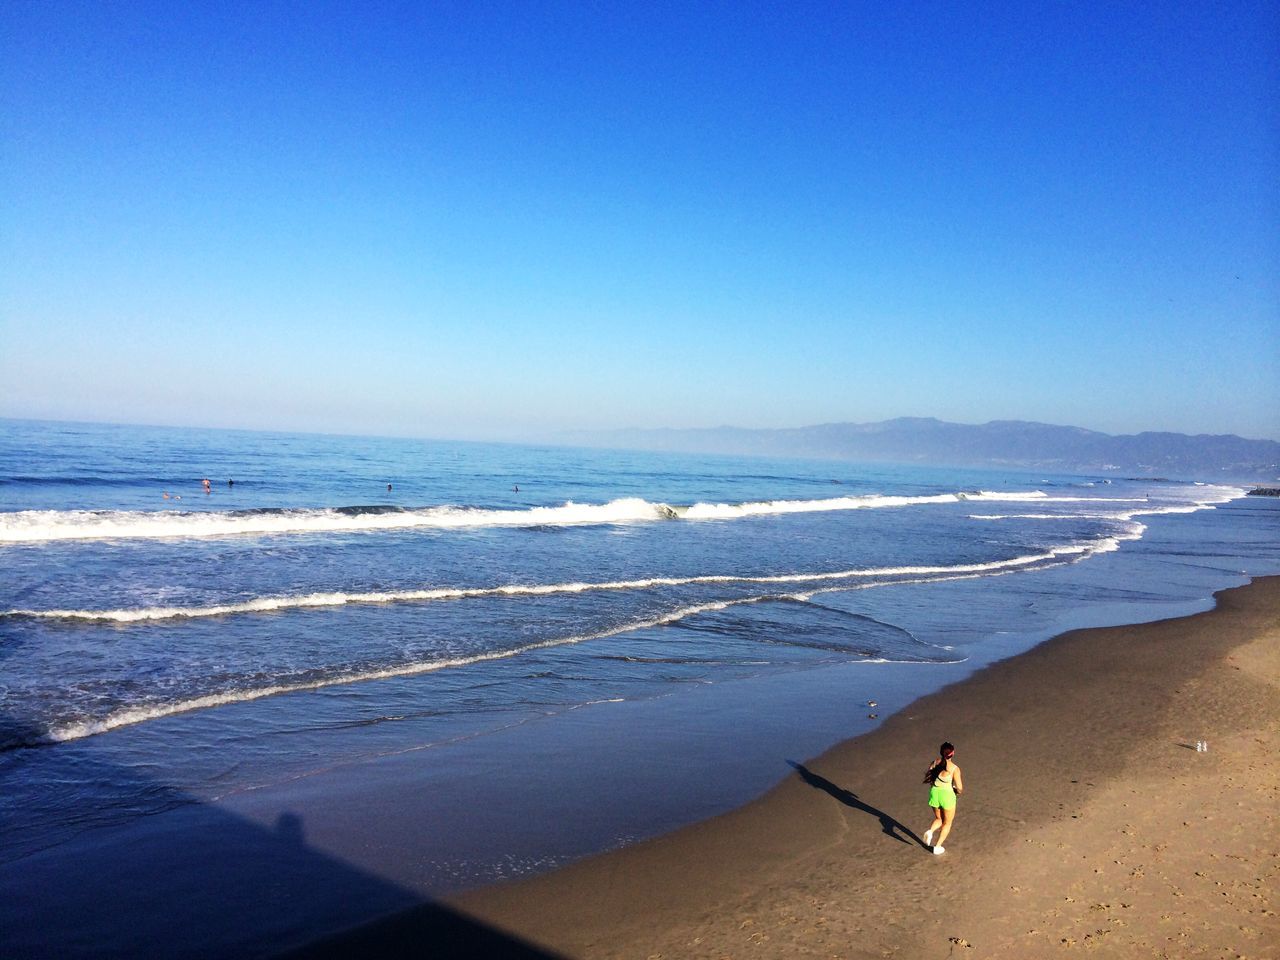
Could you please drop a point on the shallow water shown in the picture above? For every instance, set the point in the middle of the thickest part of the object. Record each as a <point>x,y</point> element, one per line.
<point>307,619</point>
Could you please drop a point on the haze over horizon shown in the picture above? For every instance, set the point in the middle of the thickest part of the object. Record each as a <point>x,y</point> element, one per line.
<point>506,222</point>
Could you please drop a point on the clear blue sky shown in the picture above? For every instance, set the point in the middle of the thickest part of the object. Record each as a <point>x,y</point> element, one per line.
<point>498,220</point>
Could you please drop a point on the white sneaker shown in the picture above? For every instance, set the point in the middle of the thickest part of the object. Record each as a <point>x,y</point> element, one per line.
<point>939,851</point>
<point>928,838</point>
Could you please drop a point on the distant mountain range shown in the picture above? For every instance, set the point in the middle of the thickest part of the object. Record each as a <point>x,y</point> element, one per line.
<point>1000,443</point>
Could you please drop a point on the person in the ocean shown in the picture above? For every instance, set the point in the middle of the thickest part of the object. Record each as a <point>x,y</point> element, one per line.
<point>231,483</point>
<point>208,487</point>
<point>388,488</point>
<point>945,784</point>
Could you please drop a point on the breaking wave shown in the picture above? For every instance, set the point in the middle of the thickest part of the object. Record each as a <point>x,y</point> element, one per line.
<point>40,526</point>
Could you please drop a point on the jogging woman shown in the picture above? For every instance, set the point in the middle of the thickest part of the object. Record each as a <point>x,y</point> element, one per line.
<point>945,784</point>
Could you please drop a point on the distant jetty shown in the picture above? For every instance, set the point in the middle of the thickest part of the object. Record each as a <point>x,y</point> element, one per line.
<point>1264,492</point>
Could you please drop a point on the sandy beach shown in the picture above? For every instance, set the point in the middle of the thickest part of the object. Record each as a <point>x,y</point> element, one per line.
<point>1089,824</point>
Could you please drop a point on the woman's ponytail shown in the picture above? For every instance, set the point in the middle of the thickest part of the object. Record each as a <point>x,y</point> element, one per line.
<point>945,753</point>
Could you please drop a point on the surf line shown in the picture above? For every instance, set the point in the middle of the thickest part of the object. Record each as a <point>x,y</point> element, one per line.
<point>338,599</point>
<point>87,728</point>
<point>1070,554</point>
<point>133,715</point>
<point>43,526</point>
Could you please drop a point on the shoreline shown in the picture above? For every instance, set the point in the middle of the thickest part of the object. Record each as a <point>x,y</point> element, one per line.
<point>1076,828</point>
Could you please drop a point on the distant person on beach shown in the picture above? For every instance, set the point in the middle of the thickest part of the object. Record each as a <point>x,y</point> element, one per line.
<point>945,784</point>
<point>208,487</point>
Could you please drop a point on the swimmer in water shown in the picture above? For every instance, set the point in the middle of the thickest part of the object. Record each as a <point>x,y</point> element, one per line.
<point>208,487</point>
<point>388,488</point>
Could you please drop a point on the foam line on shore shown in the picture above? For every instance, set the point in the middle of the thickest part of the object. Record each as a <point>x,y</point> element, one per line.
<point>338,598</point>
<point>133,715</point>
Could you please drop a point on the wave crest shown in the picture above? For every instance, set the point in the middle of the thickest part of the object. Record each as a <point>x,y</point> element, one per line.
<point>41,526</point>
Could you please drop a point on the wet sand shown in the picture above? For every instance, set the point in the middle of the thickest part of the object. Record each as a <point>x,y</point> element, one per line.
<point>1089,824</point>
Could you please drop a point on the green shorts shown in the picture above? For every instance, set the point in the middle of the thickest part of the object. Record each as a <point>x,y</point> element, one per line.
<point>942,796</point>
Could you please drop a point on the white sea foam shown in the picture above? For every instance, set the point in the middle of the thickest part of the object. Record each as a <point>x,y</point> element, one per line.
<point>132,715</point>
<point>822,581</point>
<point>734,511</point>
<point>39,526</point>
<point>43,525</point>
<point>1224,495</point>
<point>139,714</point>
<point>338,598</point>
<point>1034,516</point>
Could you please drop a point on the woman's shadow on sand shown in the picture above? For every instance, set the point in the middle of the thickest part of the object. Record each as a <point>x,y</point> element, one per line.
<point>888,824</point>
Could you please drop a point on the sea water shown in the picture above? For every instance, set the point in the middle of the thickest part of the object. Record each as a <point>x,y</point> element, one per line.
<point>331,600</point>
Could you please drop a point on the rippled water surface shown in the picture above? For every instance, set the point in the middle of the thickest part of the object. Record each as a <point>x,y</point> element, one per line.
<point>332,598</point>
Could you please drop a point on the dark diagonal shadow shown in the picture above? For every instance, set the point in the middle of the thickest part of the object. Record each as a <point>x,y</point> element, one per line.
<point>888,824</point>
<point>190,879</point>
<point>428,931</point>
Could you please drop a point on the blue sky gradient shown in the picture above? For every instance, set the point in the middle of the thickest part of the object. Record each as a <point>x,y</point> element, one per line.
<point>500,220</point>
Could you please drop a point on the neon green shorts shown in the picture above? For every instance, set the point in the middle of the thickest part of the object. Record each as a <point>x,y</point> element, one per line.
<point>942,796</point>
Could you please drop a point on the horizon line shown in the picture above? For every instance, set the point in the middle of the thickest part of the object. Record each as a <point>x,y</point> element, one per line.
<point>545,436</point>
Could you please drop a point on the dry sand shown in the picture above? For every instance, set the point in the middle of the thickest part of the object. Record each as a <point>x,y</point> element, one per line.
<point>1089,824</point>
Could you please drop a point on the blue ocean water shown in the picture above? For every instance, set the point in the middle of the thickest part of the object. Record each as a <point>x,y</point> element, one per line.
<point>334,599</point>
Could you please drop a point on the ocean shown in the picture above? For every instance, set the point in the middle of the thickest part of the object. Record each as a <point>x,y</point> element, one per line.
<point>545,634</point>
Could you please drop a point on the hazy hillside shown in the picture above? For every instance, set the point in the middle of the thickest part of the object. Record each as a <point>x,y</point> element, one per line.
<point>1015,443</point>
